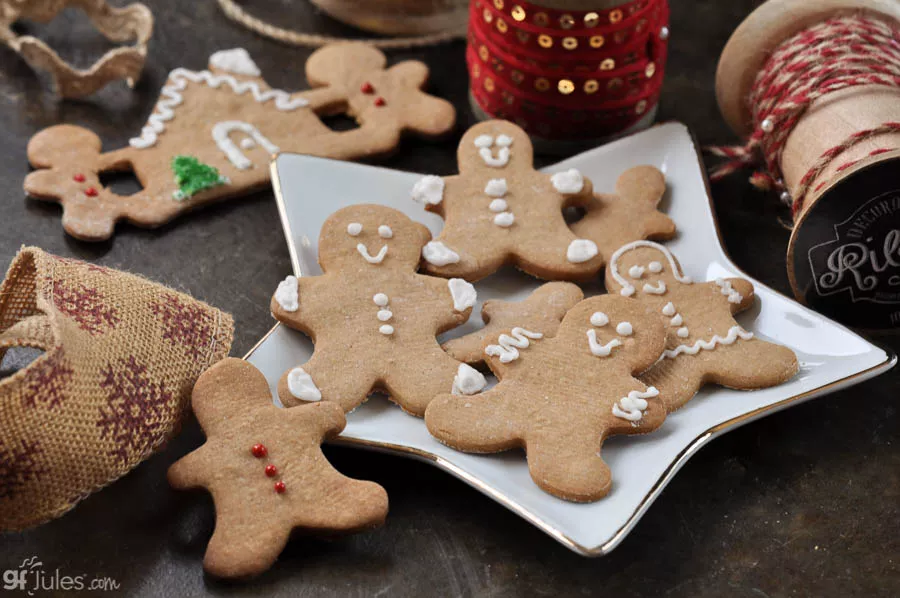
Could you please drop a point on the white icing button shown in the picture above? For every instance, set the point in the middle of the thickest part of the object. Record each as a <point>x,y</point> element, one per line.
<point>655,267</point>
<point>286,295</point>
<point>581,250</point>
<point>385,232</point>
<point>428,190</point>
<point>504,140</point>
<point>636,271</point>
<point>384,315</point>
<point>568,182</point>
<point>496,187</point>
<point>677,320</point>
<point>683,332</point>
<point>301,385</point>
<point>380,299</point>
<point>669,309</point>
<point>463,293</point>
<point>467,381</point>
<point>354,228</point>
<point>498,205</point>
<point>386,330</point>
<point>504,219</point>
<point>598,318</point>
<point>625,329</point>
<point>438,254</point>
<point>484,141</point>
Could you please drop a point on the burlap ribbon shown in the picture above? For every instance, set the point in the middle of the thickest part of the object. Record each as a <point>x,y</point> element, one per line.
<point>121,355</point>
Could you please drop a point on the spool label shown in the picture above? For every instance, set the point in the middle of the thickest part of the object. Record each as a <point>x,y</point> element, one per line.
<point>846,250</point>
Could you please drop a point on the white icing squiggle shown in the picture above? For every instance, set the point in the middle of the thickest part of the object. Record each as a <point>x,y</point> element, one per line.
<point>508,348</point>
<point>170,98</point>
<point>287,294</point>
<point>727,289</point>
<point>627,287</point>
<point>598,349</point>
<point>632,406</point>
<point>372,259</point>
<point>734,333</point>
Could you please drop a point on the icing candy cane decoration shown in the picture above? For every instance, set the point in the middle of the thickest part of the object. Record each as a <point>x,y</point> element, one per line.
<point>508,347</point>
<point>170,98</point>
<point>627,287</point>
<point>221,132</point>
<point>632,406</point>
<point>734,333</point>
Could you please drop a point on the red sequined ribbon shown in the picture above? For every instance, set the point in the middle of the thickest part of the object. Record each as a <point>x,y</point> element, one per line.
<point>567,74</point>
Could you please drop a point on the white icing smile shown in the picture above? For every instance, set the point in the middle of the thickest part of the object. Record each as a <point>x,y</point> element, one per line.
<point>377,259</point>
<point>598,348</point>
<point>658,289</point>
<point>484,143</point>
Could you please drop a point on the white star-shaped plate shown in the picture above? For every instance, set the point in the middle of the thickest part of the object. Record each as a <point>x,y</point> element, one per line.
<point>309,189</point>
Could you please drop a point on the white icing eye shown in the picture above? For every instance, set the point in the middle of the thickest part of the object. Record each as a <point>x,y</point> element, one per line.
<point>484,141</point>
<point>625,329</point>
<point>385,232</point>
<point>598,318</point>
<point>504,140</point>
<point>655,267</point>
<point>636,271</point>
<point>354,228</point>
<point>380,299</point>
<point>496,187</point>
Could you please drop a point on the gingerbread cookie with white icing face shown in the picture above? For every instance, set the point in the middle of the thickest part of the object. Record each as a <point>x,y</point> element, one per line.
<point>213,133</point>
<point>705,344</point>
<point>499,210</point>
<point>630,214</point>
<point>541,312</point>
<point>559,398</point>
<point>372,318</point>
<point>266,472</point>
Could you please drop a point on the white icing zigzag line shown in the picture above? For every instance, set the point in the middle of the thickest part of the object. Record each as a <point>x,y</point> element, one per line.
<point>632,407</point>
<point>507,349</point>
<point>727,289</point>
<point>734,333</point>
<point>627,287</point>
<point>601,350</point>
<point>179,77</point>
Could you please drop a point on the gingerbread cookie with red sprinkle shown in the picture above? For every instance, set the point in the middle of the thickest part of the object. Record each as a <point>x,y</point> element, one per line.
<point>559,398</point>
<point>266,472</point>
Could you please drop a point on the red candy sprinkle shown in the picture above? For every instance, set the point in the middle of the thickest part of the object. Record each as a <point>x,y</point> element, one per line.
<point>280,487</point>
<point>90,192</point>
<point>380,101</point>
<point>367,87</point>
<point>271,471</point>
<point>79,178</point>
<point>259,451</point>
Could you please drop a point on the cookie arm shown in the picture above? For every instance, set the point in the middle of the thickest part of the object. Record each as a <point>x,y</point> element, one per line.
<point>297,318</point>
<point>481,423</point>
<point>458,295</point>
<point>745,289</point>
<point>190,471</point>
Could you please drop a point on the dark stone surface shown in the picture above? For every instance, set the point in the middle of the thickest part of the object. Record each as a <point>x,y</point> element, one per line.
<point>804,502</point>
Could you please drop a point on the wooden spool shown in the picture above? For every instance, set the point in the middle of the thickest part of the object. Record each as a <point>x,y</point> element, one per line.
<point>843,258</point>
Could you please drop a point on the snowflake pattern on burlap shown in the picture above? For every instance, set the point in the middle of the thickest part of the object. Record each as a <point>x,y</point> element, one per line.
<point>65,261</point>
<point>137,413</point>
<point>47,381</point>
<point>86,306</point>
<point>185,325</point>
<point>19,465</point>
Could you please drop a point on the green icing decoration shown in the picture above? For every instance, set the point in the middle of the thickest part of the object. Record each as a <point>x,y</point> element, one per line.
<point>193,176</point>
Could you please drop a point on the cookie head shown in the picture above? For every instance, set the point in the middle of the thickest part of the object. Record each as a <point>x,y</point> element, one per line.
<point>495,146</point>
<point>616,328</point>
<point>371,236</point>
<point>643,268</point>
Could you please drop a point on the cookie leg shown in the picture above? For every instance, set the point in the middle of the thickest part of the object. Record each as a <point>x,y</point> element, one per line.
<point>243,546</point>
<point>753,364</point>
<point>350,505</point>
<point>482,423</point>
<point>566,463</point>
<point>562,257</point>
<point>426,374</point>
<point>327,377</point>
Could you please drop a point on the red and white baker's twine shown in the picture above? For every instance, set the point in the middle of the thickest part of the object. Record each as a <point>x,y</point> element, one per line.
<point>833,55</point>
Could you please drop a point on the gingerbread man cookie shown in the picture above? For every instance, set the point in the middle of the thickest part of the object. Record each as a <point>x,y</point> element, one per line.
<point>540,313</point>
<point>266,472</point>
<point>705,344</point>
<point>372,318</point>
<point>499,210</point>
<point>559,398</point>
<point>629,214</point>
<point>213,132</point>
